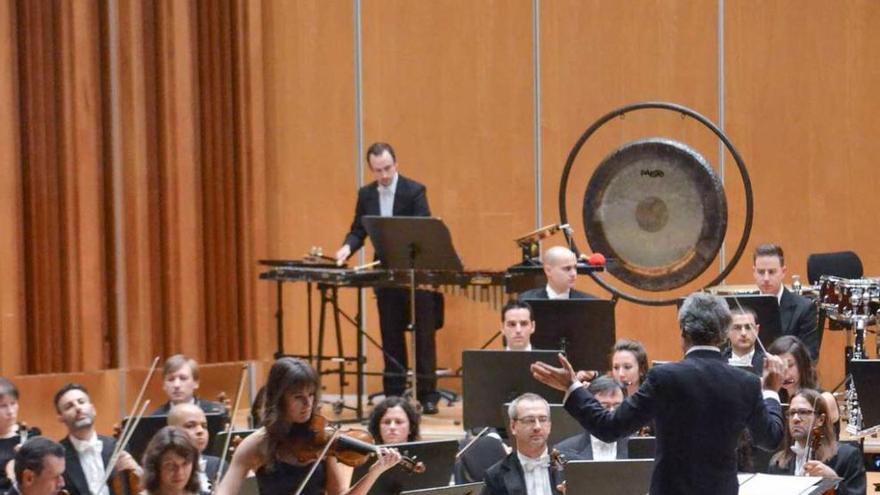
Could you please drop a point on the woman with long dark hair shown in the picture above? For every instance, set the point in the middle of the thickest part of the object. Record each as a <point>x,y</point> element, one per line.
<point>169,462</point>
<point>289,405</point>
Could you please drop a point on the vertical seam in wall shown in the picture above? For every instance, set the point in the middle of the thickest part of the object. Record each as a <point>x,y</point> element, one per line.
<point>722,254</point>
<point>536,68</point>
<point>358,152</point>
<point>118,184</point>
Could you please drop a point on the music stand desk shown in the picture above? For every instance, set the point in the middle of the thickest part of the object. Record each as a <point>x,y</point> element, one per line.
<point>438,456</point>
<point>620,477</point>
<point>583,328</point>
<point>149,425</point>
<point>492,378</point>
<point>641,447</point>
<point>468,489</point>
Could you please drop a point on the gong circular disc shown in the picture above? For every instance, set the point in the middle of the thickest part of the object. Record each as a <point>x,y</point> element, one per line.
<point>657,207</point>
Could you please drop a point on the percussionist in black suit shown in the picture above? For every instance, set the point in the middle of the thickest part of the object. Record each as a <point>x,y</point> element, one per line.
<point>560,267</point>
<point>699,406</point>
<point>797,314</point>
<point>392,194</point>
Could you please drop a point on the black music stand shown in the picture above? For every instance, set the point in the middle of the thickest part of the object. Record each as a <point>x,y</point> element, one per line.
<point>493,378</point>
<point>766,308</point>
<point>641,447</point>
<point>620,477</point>
<point>866,379</point>
<point>438,456</point>
<point>412,243</point>
<point>468,489</point>
<point>149,425</point>
<point>215,448</point>
<point>582,328</point>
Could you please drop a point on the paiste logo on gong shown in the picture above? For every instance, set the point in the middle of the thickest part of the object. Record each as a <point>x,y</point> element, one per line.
<point>654,174</point>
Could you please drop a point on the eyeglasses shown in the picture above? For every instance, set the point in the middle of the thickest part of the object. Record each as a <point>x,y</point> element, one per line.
<point>542,420</point>
<point>802,413</point>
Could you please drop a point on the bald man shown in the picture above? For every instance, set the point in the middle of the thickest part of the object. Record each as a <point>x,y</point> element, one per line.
<point>560,267</point>
<point>192,419</point>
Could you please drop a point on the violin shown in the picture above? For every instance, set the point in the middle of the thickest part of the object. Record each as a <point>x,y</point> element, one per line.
<point>817,434</point>
<point>349,446</point>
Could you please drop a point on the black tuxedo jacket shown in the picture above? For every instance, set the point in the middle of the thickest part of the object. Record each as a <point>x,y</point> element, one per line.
<point>798,316</point>
<point>699,406</point>
<point>580,448</point>
<point>757,358</point>
<point>74,478</point>
<point>410,200</point>
<point>506,477</point>
<point>541,293</point>
<point>847,463</point>
<point>212,464</point>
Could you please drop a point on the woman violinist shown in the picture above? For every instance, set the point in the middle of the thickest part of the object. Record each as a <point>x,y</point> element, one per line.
<point>12,433</point>
<point>169,462</point>
<point>275,451</point>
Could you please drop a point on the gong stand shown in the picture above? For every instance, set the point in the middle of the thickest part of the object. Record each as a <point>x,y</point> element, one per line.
<point>640,173</point>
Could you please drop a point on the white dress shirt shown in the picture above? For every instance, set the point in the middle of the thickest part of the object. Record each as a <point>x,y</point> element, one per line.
<point>745,360</point>
<point>537,476</point>
<point>89,453</point>
<point>386,197</point>
<point>603,451</point>
<point>552,294</point>
<point>528,348</point>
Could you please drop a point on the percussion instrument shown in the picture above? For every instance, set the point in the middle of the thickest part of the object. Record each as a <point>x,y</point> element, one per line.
<point>846,300</point>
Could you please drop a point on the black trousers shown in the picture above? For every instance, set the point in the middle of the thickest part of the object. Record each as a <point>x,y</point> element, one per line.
<point>394,319</point>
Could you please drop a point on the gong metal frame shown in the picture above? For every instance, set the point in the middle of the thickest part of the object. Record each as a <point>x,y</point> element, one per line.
<point>686,112</point>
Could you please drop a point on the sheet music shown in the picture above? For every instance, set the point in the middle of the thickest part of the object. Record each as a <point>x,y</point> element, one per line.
<point>762,484</point>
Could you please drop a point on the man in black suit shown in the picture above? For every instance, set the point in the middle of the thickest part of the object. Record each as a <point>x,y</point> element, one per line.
<point>86,452</point>
<point>392,194</point>
<point>741,338</point>
<point>699,406</point>
<point>560,267</point>
<point>527,470</point>
<point>191,419</point>
<point>39,468</point>
<point>807,411</point>
<point>180,380</point>
<point>586,447</point>
<point>797,314</point>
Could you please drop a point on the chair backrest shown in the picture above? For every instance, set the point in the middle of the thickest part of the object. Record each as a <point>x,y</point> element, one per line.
<point>844,264</point>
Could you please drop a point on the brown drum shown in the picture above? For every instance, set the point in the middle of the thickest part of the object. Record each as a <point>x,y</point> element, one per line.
<point>843,299</point>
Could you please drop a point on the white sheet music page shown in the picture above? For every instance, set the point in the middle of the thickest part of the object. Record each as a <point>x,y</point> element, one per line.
<point>776,484</point>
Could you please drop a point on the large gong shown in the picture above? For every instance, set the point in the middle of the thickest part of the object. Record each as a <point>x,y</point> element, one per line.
<point>658,208</point>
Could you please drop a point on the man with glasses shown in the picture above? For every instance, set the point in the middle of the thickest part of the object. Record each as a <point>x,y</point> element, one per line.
<point>807,420</point>
<point>699,406</point>
<point>526,470</point>
<point>586,447</point>
<point>741,338</point>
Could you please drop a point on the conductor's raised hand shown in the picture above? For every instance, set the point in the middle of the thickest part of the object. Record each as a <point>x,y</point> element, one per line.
<point>774,372</point>
<point>558,378</point>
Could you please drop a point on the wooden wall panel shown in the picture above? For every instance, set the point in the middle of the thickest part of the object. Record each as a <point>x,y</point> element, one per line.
<point>12,314</point>
<point>449,84</point>
<point>310,141</point>
<point>802,105</point>
<point>598,56</point>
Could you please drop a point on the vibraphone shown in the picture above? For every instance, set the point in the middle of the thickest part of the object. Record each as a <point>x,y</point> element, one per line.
<point>485,286</point>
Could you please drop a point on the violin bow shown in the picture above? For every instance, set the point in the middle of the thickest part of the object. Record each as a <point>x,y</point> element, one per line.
<point>320,458</point>
<point>229,426</point>
<point>137,412</point>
